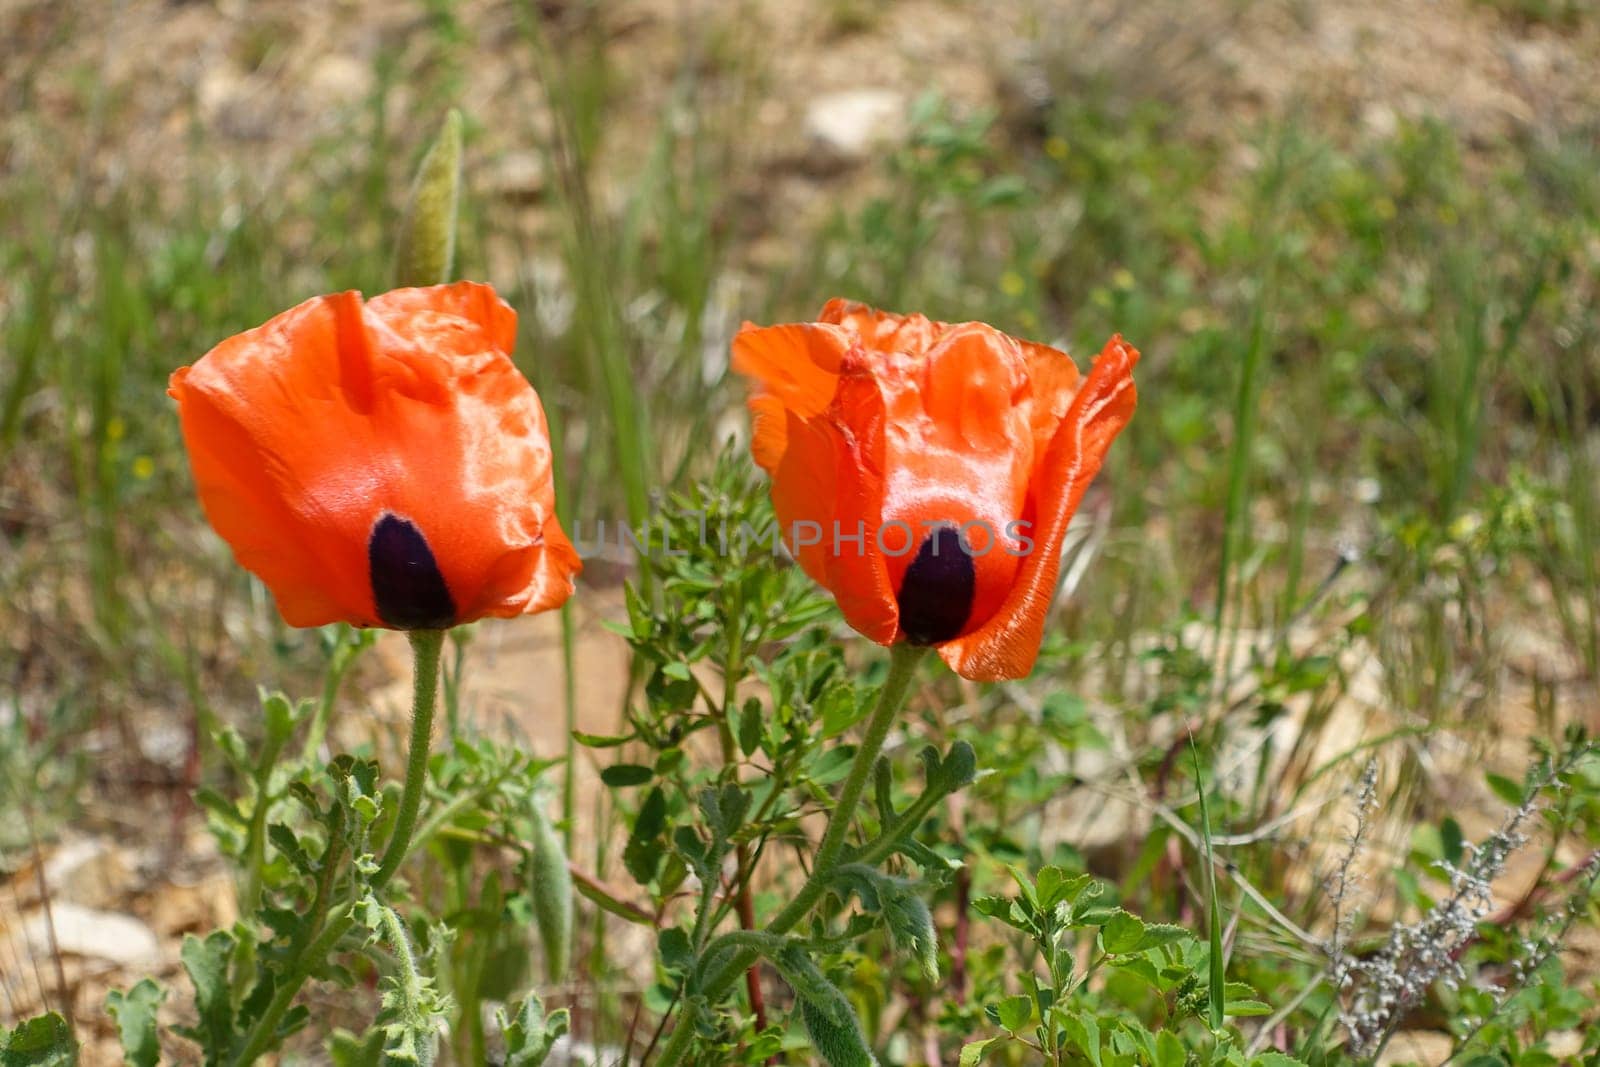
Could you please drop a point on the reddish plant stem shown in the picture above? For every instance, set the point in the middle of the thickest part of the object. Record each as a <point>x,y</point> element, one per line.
<point>960,937</point>
<point>745,906</point>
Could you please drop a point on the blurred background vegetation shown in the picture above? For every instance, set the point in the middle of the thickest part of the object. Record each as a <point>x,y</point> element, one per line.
<point>1358,244</point>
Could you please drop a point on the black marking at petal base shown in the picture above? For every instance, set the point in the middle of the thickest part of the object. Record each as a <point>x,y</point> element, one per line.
<point>936,593</point>
<point>406,584</point>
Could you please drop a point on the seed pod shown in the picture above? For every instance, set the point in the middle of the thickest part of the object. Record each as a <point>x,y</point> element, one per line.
<point>550,886</point>
<point>836,1039</point>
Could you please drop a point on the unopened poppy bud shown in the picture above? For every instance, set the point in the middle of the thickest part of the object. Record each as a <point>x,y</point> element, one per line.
<point>425,251</point>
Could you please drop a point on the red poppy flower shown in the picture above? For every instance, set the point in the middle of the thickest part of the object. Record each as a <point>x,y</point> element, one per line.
<point>925,472</point>
<point>380,463</point>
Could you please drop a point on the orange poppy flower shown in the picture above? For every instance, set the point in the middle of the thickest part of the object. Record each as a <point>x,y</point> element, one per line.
<point>380,463</point>
<point>925,472</point>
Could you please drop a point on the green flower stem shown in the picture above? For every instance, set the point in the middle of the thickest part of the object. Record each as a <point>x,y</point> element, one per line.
<point>425,649</point>
<point>265,1032</point>
<point>903,660</point>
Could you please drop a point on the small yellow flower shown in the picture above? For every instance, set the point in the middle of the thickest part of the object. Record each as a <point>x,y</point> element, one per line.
<point>1056,147</point>
<point>144,468</point>
<point>1012,284</point>
<point>116,429</point>
<point>1122,278</point>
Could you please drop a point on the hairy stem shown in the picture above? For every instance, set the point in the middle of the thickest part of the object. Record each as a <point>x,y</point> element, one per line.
<point>902,668</point>
<point>425,648</point>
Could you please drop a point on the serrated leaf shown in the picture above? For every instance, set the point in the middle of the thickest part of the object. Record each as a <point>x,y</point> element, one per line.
<point>972,1052</point>
<point>1084,1031</point>
<point>206,963</point>
<point>911,929</point>
<point>1015,1012</point>
<point>42,1041</point>
<point>958,768</point>
<point>529,1033</point>
<point>1276,1059</point>
<point>1169,1050</point>
<point>677,955</point>
<point>1157,934</point>
<point>347,1050</point>
<point>285,841</point>
<point>135,1015</point>
<point>1122,932</point>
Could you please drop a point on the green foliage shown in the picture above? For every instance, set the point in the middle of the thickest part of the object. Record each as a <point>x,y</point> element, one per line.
<point>1363,467</point>
<point>43,1041</point>
<point>529,1033</point>
<point>135,1014</point>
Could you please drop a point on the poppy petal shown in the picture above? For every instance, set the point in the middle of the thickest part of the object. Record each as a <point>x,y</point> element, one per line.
<point>1006,646</point>
<point>857,573</point>
<point>798,368</point>
<point>1053,381</point>
<point>883,331</point>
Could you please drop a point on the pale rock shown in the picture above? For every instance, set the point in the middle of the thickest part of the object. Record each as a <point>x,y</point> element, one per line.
<point>340,79</point>
<point>517,176</point>
<point>1424,1048</point>
<point>100,935</point>
<point>90,871</point>
<point>846,126</point>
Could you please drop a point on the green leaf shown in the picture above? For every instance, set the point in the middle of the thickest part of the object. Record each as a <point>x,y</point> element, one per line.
<point>207,964</point>
<point>1169,1050</point>
<point>135,1013</point>
<point>426,249</point>
<point>750,723</point>
<point>622,775</point>
<point>677,955</point>
<point>642,855</point>
<point>1505,788</point>
<point>1276,1059</point>
<point>601,740</point>
<point>911,929</point>
<point>42,1041</point>
<point>1085,1033</point>
<point>1015,1012</point>
<point>347,1050</point>
<point>1217,997</point>
<point>550,887</point>
<point>1122,933</point>
<point>1157,934</point>
<point>1451,840</point>
<point>972,1052</point>
<point>529,1033</point>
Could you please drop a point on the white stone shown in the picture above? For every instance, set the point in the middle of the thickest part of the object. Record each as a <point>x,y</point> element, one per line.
<point>847,125</point>
<point>100,935</point>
